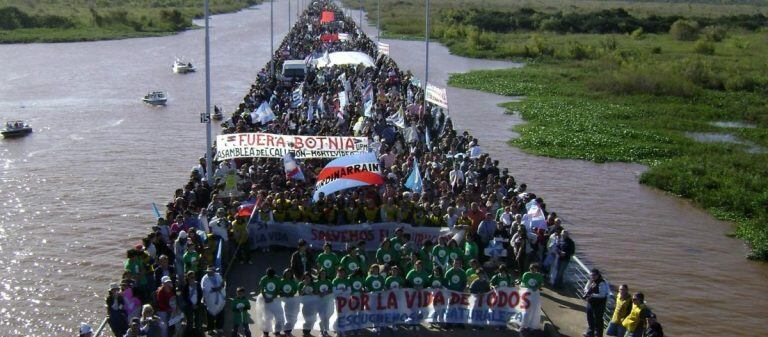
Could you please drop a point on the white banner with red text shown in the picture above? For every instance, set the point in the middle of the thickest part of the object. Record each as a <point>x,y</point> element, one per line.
<point>257,144</point>
<point>404,306</point>
<point>287,234</point>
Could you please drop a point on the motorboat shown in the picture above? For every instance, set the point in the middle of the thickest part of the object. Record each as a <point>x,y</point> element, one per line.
<point>16,129</point>
<point>155,98</point>
<point>182,67</point>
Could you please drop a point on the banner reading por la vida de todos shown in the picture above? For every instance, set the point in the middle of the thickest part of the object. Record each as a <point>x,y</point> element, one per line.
<point>344,311</point>
<point>257,144</point>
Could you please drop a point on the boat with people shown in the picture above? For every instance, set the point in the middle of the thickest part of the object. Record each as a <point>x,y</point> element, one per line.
<point>394,218</point>
<point>155,98</point>
<point>17,128</point>
<point>217,114</point>
<point>182,67</point>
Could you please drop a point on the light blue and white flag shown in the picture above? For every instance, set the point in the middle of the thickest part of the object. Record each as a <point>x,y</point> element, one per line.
<point>263,114</point>
<point>298,96</point>
<point>414,181</point>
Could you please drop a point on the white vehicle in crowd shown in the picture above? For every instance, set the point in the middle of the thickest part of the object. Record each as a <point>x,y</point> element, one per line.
<point>182,67</point>
<point>155,98</point>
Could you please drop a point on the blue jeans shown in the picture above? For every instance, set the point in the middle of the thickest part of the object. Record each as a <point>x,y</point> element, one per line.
<point>595,311</point>
<point>615,329</point>
<point>561,267</point>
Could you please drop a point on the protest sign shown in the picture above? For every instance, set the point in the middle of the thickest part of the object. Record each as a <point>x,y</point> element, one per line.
<point>347,172</point>
<point>403,306</point>
<point>249,145</point>
<point>437,95</point>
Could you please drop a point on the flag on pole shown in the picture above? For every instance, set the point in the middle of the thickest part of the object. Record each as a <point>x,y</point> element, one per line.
<point>397,119</point>
<point>263,114</point>
<point>311,112</point>
<point>157,212</point>
<point>292,169</point>
<point>217,262</point>
<point>297,98</point>
<point>414,181</point>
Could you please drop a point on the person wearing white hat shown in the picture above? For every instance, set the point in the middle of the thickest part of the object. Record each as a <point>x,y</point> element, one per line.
<point>85,330</point>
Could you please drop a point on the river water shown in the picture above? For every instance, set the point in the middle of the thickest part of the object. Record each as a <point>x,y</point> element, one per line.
<point>77,192</point>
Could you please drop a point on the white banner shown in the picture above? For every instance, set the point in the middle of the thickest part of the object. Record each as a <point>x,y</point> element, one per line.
<point>249,145</point>
<point>287,234</point>
<point>437,95</point>
<point>383,48</point>
<point>347,312</point>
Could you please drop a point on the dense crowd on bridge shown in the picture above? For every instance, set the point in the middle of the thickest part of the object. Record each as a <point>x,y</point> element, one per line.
<point>177,271</point>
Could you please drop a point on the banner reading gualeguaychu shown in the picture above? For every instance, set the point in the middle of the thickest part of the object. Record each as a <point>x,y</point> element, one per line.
<point>403,306</point>
<point>257,144</point>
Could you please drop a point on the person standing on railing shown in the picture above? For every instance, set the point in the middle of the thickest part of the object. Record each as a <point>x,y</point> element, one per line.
<point>622,309</point>
<point>596,293</point>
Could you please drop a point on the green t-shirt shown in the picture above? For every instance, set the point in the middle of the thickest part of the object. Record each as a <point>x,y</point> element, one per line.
<point>394,282</point>
<point>454,253</point>
<point>307,289</point>
<point>396,243</point>
<point>357,284</point>
<point>288,288</point>
<point>385,256</point>
<point>328,262</point>
<point>436,282</point>
<point>532,280</point>
<point>240,315</point>
<point>352,263</point>
<point>417,279</point>
<point>470,272</point>
<point>374,283</point>
<point>341,284</point>
<point>500,281</point>
<point>456,279</point>
<point>324,286</point>
<point>191,261</point>
<point>470,251</point>
<point>426,260</point>
<point>270,286</point>
<point>440,255</point>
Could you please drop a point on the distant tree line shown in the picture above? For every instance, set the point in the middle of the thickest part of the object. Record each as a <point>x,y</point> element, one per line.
<point>14,18</point>
<point>610,21</point>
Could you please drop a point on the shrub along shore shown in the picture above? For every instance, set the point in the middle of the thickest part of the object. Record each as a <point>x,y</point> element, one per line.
<point>689,99</point>
<point>80,20</point>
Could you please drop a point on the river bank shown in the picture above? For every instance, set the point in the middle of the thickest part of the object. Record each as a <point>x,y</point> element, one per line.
<point>72,21</point>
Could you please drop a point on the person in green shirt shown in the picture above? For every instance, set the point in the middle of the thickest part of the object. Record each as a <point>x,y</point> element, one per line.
<point>352,261</point>
<point>472,270</point>
<point>192,260</point>
<point>240,316</point>
<point>357,281</point>
<point>327,260</point>
<point>454,252</point>
<point>385,254</point>
<point>269,285</point>
<point>341,282</point>
<point>470,247</point>
<point>397,240</point>
<point>394,281</point>
<point>440,253</point>
<point>323,284</point>
<point>436,280</point>
<point>374,282</point>
<point>532,279</point>
<point>417,278</point>
<point>502,278</point>
<point>456,277</point>
<point>307,287</point>
<point>289,287</point>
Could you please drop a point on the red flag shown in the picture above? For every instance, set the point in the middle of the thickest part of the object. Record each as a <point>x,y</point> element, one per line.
<point>327,17</point>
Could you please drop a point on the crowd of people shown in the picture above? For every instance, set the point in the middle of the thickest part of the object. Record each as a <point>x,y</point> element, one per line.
<point>173,283</point>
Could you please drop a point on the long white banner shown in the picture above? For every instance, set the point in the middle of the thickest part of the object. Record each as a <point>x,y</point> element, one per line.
<point>288,234</point>
<point>249,145</point>
<point>346,312</point>
<point>437,95</point>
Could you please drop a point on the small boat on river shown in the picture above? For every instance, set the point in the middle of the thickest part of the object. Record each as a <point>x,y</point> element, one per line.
<point>155,98</point>
<point>182,67</point>
<point>16,129</point>
<point>217,114</point>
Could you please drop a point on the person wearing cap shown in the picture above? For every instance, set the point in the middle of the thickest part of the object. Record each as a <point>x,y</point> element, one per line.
<point>165,297</point>
<point>301,260</point>
<point>596,292</point>
<point>214,299</point>
<point>116,315</point>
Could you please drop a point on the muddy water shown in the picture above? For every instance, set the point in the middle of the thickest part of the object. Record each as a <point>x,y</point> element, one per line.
<point>77,192</point>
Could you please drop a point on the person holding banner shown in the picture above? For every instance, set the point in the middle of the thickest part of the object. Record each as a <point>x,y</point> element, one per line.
<point>385,254</point>
<point>502,279</point>
<point>269,287</point>
<point>417,278</point>
<point>374,282</point>
<point>395,280</point>
<point>341,282</point>
<point>325,308</point>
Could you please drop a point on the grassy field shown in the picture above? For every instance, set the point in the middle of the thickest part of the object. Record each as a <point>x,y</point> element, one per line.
<point>24,21</point>
<point>632,97</point>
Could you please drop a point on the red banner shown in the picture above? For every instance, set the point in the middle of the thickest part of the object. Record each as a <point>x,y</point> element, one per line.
<point>327,17</point>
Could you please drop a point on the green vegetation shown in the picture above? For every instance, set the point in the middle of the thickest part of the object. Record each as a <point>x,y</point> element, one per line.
<point>23,21</point>
<point>633,85</point>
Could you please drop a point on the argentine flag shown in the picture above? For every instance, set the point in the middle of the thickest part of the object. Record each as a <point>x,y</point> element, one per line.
<point>414,181</point>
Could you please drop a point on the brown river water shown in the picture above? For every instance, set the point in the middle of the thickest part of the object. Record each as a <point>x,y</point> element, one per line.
<point>76,193</point>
